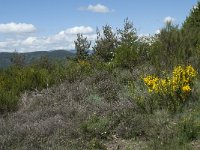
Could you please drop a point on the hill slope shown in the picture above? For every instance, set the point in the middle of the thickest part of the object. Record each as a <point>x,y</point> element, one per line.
<point>97,112</point>
<point>31,56</point>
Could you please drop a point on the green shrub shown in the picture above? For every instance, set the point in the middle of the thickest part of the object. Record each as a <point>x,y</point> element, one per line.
<point>96,127</point>
<point>131,125</point>
<point>8,101</point>
<point>96,144</point>
<point>77,70</point>
<point>125,56</point>
<point>123,76</point>
<point>172,91</point>
<point>189,127</point>
<point>137,91</point>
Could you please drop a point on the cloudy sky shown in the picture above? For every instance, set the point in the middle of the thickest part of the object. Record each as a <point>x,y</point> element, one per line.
<point>35,25</point>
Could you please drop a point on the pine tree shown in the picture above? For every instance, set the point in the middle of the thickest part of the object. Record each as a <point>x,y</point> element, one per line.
<point>166,50</point>
<point>128,34</point>
<point>106,44</point>
<point>126,54</point>
<point>191,33</point>
<point>193,20</point>
<point>82,46</point>
<point>191,28</point>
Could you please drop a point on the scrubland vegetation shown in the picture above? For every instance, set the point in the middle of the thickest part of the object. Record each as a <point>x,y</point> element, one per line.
<point>130,93</point>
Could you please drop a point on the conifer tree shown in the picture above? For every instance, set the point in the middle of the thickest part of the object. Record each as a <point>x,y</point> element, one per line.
<point>128,34</point>
<point>193,20</point>
<point>191,33</point>
<point>126,54</point>
<point>106,44</point>
<point>166,50</point>
<point>82,46</point>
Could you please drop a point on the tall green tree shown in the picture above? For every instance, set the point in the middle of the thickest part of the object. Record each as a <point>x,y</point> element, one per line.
<point>106,44</point>
<point>193,20</point>
<point>128,35</point>
<point>127,53</point>
<point>166,50</point>
<point>191,33</point>
<point>82,46</point>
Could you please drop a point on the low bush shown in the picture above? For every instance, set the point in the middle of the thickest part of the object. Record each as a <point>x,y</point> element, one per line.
<point>173,90</point>
<point>96,127</point>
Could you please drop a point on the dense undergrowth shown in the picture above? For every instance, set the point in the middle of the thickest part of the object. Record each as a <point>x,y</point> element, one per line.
<point>131,93</point>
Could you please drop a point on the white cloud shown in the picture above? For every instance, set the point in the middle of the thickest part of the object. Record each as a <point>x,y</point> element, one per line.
<point>62,40</point>
<point>17,28</point>
<point>78,29</point>
<point>3,44</point>
<point>169,19</point>
<point>157,31</point>
<point>143,35</point>
<point>70,34</point>
<point>98,8</point>
<point>29,41</point>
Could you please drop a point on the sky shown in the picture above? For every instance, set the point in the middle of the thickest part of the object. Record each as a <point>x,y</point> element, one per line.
<point>41,25</point>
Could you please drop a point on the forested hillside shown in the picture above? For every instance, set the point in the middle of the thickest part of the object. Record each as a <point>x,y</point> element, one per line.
<point>5,57</point>
<point>131,92</point>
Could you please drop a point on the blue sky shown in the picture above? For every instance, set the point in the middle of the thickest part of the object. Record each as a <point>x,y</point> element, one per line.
<point>32,25</point>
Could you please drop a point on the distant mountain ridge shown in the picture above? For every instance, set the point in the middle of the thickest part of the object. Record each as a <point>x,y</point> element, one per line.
<point>32,56</point>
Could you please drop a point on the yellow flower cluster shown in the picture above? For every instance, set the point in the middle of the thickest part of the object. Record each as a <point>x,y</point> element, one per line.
<point>181,79</point>
<point>84,64</point>
<point>152,82</point>
<point>186,89</point>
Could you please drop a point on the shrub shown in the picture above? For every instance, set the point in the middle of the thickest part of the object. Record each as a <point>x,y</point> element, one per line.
<point>77,70</point>
<point>189,128</point>
<point>132,125</point>
<point>108,89</point>
<point>96,144</point>
<point>73,71</point>
<point>8,101</point>
<point>123,76</point>
<point>175,88</point>
<point>96,127</point>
